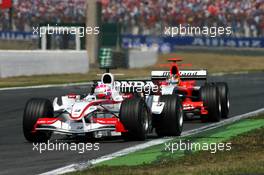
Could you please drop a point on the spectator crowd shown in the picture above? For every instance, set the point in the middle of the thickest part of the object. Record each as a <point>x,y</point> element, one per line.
<point>29,13</point>
<point>246,17</point>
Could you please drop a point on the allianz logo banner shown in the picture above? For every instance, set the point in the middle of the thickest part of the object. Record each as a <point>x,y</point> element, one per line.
<point>136,41</point>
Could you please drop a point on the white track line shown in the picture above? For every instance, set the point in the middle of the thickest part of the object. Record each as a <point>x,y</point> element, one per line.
<point>53,85</point>
<point>89,83</point>
<point>45,86</point>
<point>84,165</point>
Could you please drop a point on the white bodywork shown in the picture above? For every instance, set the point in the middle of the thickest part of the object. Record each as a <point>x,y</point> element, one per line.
<point>73,114</point>
<point>76,113</point>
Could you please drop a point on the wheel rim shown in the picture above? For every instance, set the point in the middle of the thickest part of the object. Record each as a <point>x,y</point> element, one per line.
<point>181,117</point>
<point>219,107</point>
<point>145,121</point>
<point>228,103</point>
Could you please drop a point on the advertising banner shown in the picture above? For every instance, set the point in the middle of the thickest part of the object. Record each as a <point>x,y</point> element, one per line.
<point>136,41</point>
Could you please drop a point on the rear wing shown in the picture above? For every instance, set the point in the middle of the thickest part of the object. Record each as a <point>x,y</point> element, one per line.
<point>184,74</point>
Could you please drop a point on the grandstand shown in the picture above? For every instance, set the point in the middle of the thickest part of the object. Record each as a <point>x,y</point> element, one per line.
<point>246,17</point>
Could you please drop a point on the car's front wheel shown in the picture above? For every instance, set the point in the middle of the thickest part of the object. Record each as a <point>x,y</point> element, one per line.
<point>170,121</point>
<point>36,108</point>
<point>134,116</point>
<point>211,100</point>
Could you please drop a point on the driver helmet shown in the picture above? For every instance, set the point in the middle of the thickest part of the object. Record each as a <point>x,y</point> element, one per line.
<point>102,91</point>
<point>174,80</point>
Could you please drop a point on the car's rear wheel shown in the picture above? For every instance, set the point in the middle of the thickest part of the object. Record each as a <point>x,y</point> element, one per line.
<point>224,98</point>
<point>211,100</point>
<point>170,121</point>
<point>36,108</point>
<point>134,116</point>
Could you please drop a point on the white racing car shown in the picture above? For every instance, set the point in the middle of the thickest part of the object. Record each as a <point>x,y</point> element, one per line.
<point>106,111</point>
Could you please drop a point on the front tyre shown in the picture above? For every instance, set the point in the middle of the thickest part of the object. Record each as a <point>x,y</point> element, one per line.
<point>170,121</point>
<point>211,100</point>
<point>36,108</point>
<point>134,116</point>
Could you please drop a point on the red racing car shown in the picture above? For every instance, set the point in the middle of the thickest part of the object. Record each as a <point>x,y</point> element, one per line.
<point>209,100</point>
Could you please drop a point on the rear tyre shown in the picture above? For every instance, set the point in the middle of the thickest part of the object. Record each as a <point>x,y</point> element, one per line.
<point>211,100</point>
<point>36,108</point>
<point>224,98</point>
<point>170,121</point>
<point>134,116</point>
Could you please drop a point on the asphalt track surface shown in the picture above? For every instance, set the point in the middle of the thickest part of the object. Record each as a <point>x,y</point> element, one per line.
<point>17,156</point>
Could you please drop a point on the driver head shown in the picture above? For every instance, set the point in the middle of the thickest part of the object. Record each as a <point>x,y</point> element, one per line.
<point>103,91</point>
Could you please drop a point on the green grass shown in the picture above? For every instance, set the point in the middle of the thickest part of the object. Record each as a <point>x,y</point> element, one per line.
<point>245,157</point>
<point>213,62</point>
<point>157,153</point>
<point>18,45</point>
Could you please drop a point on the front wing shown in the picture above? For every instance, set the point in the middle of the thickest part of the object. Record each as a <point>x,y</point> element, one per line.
<point>78,127</point>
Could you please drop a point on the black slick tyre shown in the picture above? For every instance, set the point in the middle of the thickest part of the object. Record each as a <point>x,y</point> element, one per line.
<point>36,108</point>
<point>134,116</point>
<point>170,121</point>
<point>224,98</point>
<point>211,100</point>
